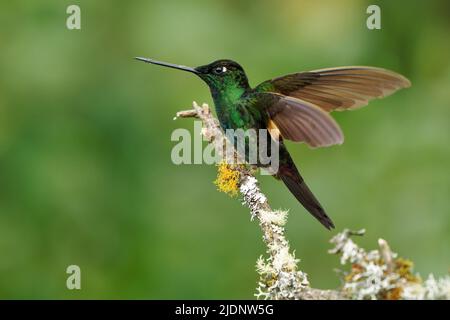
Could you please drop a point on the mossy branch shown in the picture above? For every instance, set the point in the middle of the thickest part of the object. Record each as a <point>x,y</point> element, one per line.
<point>377,274</point>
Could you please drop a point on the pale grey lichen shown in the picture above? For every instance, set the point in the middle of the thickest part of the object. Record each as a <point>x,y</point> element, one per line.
<point>277,217</point>
<point>430,289</point>
<point>379,274</point>
<point>437,288</point>
<point>253,198</point>
<point>279,277</point>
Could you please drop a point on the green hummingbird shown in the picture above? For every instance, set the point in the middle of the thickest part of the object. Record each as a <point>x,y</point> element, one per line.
<point>294,107</point>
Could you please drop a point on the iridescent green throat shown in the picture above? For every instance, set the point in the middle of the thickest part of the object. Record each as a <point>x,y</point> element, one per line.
<point>227,93</point>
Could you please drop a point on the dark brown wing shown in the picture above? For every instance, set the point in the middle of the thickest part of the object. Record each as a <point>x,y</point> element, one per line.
<point>337,89</point>
<point>299,120</point>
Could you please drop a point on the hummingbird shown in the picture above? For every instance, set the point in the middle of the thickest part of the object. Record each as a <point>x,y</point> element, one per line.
<point>293,107</point>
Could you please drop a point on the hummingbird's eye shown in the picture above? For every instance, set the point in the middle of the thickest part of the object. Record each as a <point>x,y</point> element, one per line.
<point>220,70</point>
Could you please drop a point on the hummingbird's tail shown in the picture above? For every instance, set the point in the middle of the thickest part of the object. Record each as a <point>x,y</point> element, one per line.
<point>289,174</point>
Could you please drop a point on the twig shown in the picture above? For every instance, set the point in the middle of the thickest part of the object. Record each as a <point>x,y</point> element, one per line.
<point>386,254</point>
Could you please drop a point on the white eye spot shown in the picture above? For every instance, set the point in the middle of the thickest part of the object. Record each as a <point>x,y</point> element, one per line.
<point>220,70</point>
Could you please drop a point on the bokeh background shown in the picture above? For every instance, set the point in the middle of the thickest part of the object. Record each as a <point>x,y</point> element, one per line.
<point>85,171</point>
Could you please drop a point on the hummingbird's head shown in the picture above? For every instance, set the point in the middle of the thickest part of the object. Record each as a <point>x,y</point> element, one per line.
<point>218,75</point>
<point>223,73</point>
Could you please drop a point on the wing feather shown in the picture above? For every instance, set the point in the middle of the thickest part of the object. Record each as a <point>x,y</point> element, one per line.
<point>301,121</point>
<point>343,88</point>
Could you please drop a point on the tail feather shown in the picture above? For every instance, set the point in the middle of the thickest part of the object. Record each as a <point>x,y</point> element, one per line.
<point>295,183</point>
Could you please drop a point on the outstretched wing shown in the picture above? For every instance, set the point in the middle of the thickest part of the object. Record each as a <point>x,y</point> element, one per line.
<point>337,89</point>
<point>298,120</point>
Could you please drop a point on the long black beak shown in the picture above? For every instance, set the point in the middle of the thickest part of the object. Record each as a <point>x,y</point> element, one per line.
<point>169,65</point>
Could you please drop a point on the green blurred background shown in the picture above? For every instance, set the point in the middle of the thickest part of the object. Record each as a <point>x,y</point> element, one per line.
<point>85,171</point>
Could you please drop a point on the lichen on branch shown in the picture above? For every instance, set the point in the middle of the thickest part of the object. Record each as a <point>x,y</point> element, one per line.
<point>228,178</point>
<point>381,275</point>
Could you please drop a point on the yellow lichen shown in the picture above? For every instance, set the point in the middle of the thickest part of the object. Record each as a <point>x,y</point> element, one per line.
<point>404,268</point>
<point>355,270</point>
<point>228,179</point>
<point>394,294</point>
